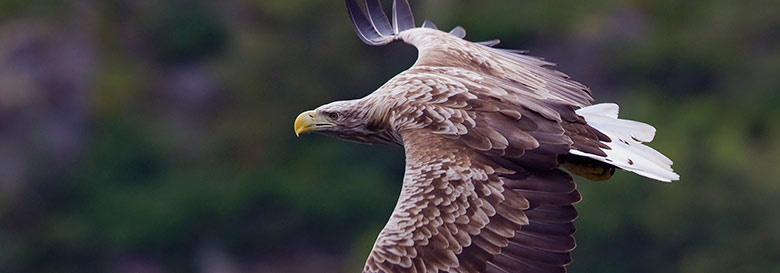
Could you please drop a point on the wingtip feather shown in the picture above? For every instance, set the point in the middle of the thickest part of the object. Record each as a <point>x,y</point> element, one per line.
<point>459,32</point>
<point>428,24</point>
<point>378,17</point>
<point>364,27</point>
<point>403,18</point>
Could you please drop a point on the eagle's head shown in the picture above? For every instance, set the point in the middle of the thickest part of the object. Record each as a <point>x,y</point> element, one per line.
<point>352,120</point>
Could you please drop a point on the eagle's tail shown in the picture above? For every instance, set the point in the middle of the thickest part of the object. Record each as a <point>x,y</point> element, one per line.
<point>626,150</point>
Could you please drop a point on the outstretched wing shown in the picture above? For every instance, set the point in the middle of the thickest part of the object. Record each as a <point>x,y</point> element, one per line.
<point>461,211</point>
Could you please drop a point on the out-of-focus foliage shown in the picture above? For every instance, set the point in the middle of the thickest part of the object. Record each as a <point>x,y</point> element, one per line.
<point>155,136</point>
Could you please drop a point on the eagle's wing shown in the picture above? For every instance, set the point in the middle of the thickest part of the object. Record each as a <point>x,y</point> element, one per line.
<point>462,211</point>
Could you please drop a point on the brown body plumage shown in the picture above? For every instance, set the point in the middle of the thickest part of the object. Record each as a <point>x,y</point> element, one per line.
<point>484,131</point>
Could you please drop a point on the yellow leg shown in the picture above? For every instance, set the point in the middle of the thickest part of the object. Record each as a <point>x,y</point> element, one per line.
<point>591,172</point>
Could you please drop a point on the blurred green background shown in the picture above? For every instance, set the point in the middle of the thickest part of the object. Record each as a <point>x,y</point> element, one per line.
<point>156,136</point>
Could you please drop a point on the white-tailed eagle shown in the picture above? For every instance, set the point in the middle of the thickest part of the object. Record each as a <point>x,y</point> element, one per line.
<point>485,132</point>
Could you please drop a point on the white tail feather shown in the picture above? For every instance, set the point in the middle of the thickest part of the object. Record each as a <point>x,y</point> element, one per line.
<point>626,149</point>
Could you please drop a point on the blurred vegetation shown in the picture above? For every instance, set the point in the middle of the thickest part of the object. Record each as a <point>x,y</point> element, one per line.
<point>155,136</point>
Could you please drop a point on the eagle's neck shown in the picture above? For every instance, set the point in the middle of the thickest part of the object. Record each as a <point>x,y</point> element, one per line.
<point>375,113</point>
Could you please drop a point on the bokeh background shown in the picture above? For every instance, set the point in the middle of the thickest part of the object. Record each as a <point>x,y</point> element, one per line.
<point>156,136</point>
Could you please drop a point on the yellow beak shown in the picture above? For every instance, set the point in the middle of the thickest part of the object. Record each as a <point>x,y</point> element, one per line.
<point>308,122</point>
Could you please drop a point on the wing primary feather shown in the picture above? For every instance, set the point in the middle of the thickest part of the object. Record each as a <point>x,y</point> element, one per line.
<point>429,24</point>
<point>490,43</point>
<point>459,32</point>
<point>402,16</point>
<point>517,51</point>
<point>363,27</point>
<point>378,17</point>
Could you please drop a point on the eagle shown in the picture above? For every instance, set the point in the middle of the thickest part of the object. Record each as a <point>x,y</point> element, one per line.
<point>491,137</point>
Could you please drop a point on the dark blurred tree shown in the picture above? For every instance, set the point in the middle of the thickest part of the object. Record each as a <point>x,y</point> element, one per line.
<point>184,31</point>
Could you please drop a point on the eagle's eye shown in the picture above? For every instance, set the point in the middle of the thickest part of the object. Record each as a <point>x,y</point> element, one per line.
<point>333,115</point>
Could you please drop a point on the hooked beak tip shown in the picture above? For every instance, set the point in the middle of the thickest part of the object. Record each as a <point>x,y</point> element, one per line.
<point>304,123</point>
